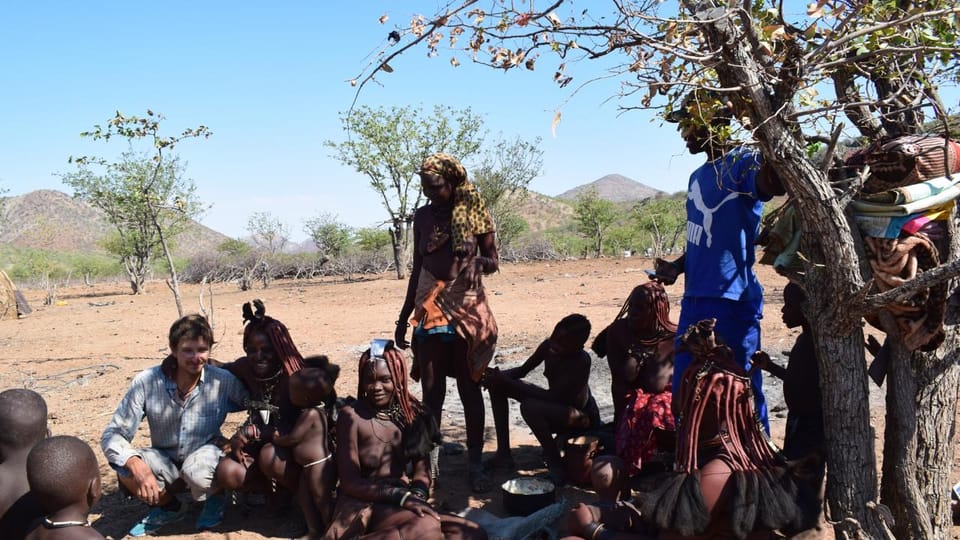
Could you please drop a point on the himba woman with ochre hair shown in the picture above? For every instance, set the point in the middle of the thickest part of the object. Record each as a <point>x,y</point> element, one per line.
<point>639,349</point>
<point>729,481</point>
<point>271,358</point>
<point>378,436</point>
<point>454,332</point>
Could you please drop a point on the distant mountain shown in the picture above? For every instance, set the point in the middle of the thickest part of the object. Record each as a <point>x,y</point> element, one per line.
<point>615,188</point>
<point>542,212</point>
<point>50,219</point>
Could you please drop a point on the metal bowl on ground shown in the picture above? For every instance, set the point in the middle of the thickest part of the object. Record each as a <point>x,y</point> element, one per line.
<point>525,495</point>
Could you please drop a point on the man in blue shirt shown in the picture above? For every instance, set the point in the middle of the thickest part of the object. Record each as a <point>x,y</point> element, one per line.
<point>724,206</point>
<point>185,405</point>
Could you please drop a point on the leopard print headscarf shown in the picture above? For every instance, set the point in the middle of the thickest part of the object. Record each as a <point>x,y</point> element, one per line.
<point>470,216</point>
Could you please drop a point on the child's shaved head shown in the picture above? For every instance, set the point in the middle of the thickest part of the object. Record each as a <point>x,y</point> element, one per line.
<point>576,326</point>
<point>60,471</point>
<point>23,418</point>
<point>314,383</point>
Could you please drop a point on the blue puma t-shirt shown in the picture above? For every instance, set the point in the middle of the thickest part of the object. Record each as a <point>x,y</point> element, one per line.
<point>723,219</point>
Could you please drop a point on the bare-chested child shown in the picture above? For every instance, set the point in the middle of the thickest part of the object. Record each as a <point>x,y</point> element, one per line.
<point>378,436</point>
<point>804,437</point>
<point>565,406</point>
<point>65,480</point>
<point>311,389</point>
<point>23,423</point>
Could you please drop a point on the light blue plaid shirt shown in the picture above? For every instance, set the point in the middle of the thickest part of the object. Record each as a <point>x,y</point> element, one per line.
<point>177,427</point>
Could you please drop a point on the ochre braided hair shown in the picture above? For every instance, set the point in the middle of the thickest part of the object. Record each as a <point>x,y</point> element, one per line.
<point>409,406</point>
<point>653,294</point>
<point>715,387</point>
<point>470,216</point>
<point>256,320</point>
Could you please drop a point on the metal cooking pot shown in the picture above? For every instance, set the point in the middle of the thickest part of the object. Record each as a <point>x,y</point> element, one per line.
<point>525,495</point>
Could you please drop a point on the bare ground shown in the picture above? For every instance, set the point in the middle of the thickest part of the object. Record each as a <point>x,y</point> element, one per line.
<point>81,353</point>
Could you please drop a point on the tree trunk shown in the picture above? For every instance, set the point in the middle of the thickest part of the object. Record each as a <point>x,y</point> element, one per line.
<point>938,377</point>
<point>173,282</point>
<point>851,460</point>
<point>937,386</point>
<point>137,282</point>
<point>921,409</point>
<point>832,282</point>
<point>398,242</point>
<point>137,272</point>
<point>899,489</point>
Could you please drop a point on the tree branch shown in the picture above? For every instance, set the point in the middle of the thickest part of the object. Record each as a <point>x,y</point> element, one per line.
<point>927,279</point>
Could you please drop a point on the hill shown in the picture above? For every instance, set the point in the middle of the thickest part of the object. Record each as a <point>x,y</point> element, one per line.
<point>542,212</point>
<point>50,219</point>
<point>615,188</point>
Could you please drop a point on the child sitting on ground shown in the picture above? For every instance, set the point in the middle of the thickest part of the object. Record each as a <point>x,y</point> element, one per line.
<point>312,440</point>
<point>565,406</point>
<point>65,480</point>
<point>23,423</point>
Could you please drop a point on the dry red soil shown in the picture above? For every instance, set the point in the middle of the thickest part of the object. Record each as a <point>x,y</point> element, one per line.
<point>81,353</point>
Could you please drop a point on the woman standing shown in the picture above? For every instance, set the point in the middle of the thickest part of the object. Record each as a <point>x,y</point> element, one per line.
<point>454,333</point>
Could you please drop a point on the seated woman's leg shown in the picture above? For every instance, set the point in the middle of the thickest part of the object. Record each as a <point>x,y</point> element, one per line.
<point>277,464</point>
<point>230,474</point>
<point>546,418</point>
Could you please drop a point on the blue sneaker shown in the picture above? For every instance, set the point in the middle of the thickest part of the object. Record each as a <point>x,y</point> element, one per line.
<point>156,519</point>
<point>212,513</point>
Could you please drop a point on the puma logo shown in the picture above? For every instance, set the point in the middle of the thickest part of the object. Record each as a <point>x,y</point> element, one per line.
<point>694,231</point>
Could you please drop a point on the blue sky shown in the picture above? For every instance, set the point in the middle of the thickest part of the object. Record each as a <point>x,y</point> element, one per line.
<point>269,80</point>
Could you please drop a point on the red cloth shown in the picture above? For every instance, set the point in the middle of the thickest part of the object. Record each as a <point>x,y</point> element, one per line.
<point>644,413</point>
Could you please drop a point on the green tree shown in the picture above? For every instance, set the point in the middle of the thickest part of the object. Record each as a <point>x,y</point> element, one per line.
<point>268,232</point>
<point>510,225</point>
<point>123,191</point>
<point>372,239</point>
<point>620,238</point>
<point>389,145</point>
<point>797,76</point>
<point>234,247</point>
<point>329,235</point>
<point>502,177</point>
<point>145,197</point>
<point>663,221</point>
<point>594,216</point>
<point>92,266</point>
